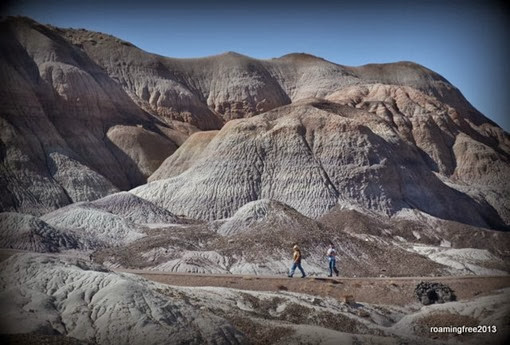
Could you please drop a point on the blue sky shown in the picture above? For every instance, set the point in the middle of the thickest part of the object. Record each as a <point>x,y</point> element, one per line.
<point>464,41</point>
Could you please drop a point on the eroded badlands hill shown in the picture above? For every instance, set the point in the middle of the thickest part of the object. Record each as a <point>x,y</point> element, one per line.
<point>85,114</point>
<point>315,154</point>
<point>68,131</point>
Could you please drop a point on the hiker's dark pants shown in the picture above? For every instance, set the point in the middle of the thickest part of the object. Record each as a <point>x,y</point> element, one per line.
<point>332,266</point>
<point>293,268</point>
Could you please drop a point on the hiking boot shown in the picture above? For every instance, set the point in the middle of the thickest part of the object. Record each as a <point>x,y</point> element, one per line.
<point>289,276</point>
<point>329,275</point>
<point>303,276</point>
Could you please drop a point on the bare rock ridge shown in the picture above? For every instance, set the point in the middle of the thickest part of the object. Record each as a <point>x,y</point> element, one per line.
<point>233,85</point>
<point>85,114</point>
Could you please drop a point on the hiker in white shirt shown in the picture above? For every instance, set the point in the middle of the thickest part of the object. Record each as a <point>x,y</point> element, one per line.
<point>332,260</point>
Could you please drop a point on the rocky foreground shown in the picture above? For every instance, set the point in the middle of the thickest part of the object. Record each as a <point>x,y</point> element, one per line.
<point>83,302</point>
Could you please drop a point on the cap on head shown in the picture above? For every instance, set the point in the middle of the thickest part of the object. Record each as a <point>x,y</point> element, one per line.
<point>295,247</point>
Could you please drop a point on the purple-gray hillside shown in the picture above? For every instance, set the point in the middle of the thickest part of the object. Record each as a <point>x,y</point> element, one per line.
<point>85,114</point>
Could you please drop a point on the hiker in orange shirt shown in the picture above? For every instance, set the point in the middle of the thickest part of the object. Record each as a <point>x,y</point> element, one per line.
<point>297,262</point>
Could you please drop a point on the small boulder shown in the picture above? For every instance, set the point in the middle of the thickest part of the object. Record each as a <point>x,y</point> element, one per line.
<point>431,292</point>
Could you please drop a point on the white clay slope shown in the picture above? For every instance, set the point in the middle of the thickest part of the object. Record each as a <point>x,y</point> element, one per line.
<point>79,299</point>
<point>94,227</point>
<point>134,209</point>
<point>26,232</point>
<point>312,156</point>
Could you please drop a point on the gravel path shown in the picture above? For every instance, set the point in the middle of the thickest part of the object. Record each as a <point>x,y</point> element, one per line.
<point>385,290</point>
<point>380,290</point>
